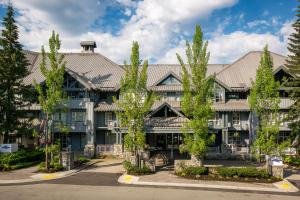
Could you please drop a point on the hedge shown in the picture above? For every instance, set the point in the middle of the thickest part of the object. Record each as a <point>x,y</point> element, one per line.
<point>193,171</point>
<point>247,172</point>
<point>17,159</point>
<point>135,170</point>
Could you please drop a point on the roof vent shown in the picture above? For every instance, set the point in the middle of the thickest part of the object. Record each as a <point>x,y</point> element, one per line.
<point>88,46</point>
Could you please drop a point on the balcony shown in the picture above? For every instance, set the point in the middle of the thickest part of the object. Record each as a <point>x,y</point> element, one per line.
<point>77,103</point>
<point>112,124</point>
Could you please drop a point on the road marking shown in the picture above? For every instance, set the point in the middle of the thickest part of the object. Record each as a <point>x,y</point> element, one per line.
<point>127,178</point>
<point>285,185</point>
<point>49,176</point>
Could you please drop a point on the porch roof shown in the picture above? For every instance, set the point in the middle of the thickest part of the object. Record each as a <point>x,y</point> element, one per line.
<point>166,122</point>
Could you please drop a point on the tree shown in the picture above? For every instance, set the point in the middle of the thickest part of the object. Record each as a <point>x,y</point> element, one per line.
<point>51,90</point>
<point>134,102</point>
<point>13,68</point>
<point>264,103</point>
<point>293,64</point>
<point>197,98</point>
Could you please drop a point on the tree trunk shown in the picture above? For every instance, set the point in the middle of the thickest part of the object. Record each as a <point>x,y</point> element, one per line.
<point>5,137</point>
<point>196,161</point>
<point>46,144</point>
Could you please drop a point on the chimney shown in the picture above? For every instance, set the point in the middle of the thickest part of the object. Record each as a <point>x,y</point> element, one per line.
<point>88,46</point>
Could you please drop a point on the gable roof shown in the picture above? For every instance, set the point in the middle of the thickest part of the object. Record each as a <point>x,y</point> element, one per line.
<point>157,73</point>
<point>162,106</point>
<point>239,74</point>
<point>95,70</point>
<point>167,75</point>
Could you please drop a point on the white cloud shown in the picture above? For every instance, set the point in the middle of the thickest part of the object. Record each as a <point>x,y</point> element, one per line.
<point>257,23</point>
<point>152,23</point>
<point>226,48</point>
<point>155,24</point>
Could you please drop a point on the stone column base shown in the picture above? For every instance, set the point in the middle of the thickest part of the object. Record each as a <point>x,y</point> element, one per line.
<point>89,150</point>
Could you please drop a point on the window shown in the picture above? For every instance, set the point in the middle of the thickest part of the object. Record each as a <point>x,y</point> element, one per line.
<point>218,119</point>
<point>236,118</point>
<point>170,80</point>
<point>78,116</point>
<point>219,93</point>
<point>108,117</point>
<point>60,117</point>
<point>171,96</point>
<point>283,136</point>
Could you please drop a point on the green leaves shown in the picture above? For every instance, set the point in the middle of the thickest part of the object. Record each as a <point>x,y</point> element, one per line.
<point>134,102</point>
<point>264,101</point>
<point>51,93</point>
<point>197,95</point>
<point>13,69</point>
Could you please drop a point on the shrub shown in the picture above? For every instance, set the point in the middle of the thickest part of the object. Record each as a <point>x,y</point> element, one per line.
<point>246,172</point>
<point>53,167</point>
<point>135,170</point>
<point>8,161</point>
<point>193,171</point>
<point>292,160</point>
<point>83,159</point>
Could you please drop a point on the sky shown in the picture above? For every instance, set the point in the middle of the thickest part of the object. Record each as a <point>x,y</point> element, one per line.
<point>162,27</point>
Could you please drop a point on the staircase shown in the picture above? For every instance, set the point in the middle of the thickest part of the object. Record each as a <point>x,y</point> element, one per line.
<point>160,160</point>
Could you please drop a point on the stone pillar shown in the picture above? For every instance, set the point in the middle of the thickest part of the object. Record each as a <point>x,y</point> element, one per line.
<point>67,160</point>
<point>89,149</point>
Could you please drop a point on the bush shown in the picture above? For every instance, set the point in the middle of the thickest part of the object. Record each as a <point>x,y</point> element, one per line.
<point>8,161</point>
<point>292,160</point>
<point>193,171</point>
<point>135,170</point>
<point>246,172</point>
<point>83,159</point>
<point>53,167</point>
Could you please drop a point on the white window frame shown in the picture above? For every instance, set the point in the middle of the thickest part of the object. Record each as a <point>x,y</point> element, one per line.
<point>108,117</point>
<point>218,119</point>
<point>236,117</point>
<point>75,116</point>
<point>218,94</point>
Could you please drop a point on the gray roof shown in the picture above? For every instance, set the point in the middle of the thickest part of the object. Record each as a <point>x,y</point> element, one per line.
<point>110,106</point>
<point>156,73</point>
<point>239,74</point>
<point>232,105</point>
<point>92,69</point>
<point>88,43</point>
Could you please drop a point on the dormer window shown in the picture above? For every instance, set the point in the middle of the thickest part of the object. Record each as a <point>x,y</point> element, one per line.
<point>170,80</point>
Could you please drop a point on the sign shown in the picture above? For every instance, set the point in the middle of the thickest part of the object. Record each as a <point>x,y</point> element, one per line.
<point>8,148</point>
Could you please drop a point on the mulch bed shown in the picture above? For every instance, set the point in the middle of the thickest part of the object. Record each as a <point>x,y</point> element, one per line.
<point>231,179</point>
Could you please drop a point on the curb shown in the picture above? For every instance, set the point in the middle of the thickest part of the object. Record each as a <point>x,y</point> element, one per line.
<point>282,186</point>
<point>48,176</point>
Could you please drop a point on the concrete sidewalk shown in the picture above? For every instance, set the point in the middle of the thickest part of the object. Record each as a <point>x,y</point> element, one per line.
<point>30,174</point>
<point>166,178</point>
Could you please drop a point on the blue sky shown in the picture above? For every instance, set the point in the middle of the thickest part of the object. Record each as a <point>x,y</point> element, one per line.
<point>232,27</point>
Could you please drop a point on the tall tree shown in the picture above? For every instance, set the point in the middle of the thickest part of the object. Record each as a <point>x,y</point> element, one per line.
<point>13,68</point>
<point>264,102</point>
<point>197,98</point>
<point>293,64</point>
<point>51,90</point>
<point>134,102</point>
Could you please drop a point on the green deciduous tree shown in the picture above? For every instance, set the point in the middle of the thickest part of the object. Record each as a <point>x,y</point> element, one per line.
<point>134,102</point>
<point>293,64</point>
<point>51,90</point>
<point>14,95</point>
<point>264,101</point>
<point>197,97</point>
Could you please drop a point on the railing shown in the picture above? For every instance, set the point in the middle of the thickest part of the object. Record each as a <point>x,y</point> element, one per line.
<point>105,148</point>
<point>213,149</point>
